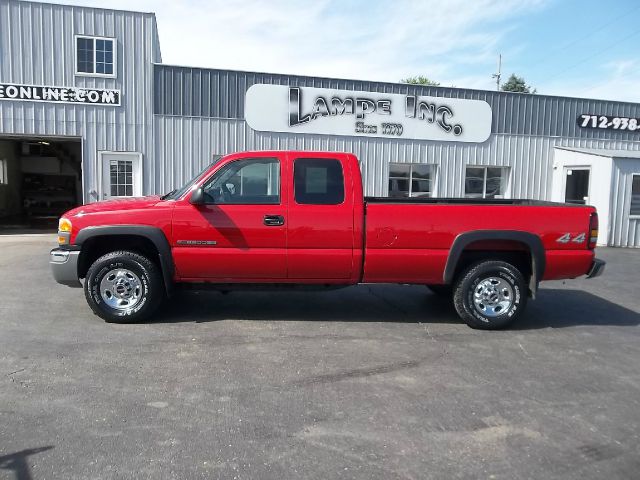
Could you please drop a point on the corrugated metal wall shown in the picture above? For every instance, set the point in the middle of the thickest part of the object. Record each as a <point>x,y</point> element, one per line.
<point>625,231</point>
<point>37,47</point>
<point>187,91</point>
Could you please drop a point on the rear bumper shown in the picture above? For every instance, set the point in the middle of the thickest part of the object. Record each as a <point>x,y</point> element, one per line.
<point>597,268</point>
<point>64,266</point>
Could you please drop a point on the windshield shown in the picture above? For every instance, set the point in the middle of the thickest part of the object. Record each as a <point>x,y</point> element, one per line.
<point>179,192</point>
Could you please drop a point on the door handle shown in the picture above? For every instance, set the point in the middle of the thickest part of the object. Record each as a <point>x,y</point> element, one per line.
<point>273,220</point>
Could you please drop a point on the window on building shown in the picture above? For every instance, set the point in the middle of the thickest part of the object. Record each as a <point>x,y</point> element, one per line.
<point>254,181</point>
<point>411,180</point>
<point>634,207</point>
<point>121,177</point>
<point>95,56</point>
<point>318,181</point>
<point>486,182</point>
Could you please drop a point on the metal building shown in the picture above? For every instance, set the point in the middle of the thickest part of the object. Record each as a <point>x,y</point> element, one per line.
<point>88,112</point>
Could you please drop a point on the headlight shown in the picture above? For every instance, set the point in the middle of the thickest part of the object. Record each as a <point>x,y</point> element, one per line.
<point>64,231</point>
<point>64,225</point>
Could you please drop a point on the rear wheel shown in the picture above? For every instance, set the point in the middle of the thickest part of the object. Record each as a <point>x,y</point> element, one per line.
<point>490,294</point>
<point>123,287</point>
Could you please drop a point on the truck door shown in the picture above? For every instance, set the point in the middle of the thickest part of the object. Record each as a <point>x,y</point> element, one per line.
<point>320,219</point>
<point>239,234</point>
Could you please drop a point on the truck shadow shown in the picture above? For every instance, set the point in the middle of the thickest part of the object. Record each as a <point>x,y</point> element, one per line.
<point>554,308</point>
<point>559,308</point>
<point>17,462</point>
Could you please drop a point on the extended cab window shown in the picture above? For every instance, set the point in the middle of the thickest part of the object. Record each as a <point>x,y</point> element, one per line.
<point>318,181</point>
<point>254,181</point>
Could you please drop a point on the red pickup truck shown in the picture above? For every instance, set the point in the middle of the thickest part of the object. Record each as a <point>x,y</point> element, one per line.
<point>300,218</point>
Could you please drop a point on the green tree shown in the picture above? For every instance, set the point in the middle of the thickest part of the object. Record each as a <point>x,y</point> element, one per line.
<point>517,84</point>
<point>420,80</point>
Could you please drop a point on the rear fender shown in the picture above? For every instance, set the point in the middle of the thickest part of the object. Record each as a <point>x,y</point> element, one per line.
<point>532,241</point>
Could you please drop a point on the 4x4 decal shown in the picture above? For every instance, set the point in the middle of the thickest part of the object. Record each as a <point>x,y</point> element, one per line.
<point>566,238</point>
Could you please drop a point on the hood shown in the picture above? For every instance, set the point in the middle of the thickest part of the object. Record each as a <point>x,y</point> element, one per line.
<point>118,204</point>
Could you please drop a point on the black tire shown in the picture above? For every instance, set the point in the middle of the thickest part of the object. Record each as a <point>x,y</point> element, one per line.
<point>498,281</point>
<point>148,288</point>
<point>441,290</point>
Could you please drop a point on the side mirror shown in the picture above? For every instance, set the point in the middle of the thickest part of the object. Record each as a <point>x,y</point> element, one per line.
<point>197,197</point>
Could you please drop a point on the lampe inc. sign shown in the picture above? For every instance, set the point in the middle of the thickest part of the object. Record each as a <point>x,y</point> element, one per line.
<point>279,108</point>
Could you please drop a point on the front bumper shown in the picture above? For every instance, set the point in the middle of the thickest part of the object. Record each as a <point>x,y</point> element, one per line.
<point>64,266</point>
<point>597,268</point>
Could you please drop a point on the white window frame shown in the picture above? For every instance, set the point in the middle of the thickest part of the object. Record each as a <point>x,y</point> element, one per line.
<point>432,166</point>
<point>565,173</point>
<point>631,216</point>
<point>507,189</point>
<point>94,74</point>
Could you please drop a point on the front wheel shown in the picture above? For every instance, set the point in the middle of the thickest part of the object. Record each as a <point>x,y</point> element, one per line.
<point>123,287</point>
<point>490,295</point>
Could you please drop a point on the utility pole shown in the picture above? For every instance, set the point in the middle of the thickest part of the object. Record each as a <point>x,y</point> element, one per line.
<point>498,75</point>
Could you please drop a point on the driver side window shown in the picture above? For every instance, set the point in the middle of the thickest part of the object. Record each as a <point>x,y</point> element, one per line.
<point>251,181</point>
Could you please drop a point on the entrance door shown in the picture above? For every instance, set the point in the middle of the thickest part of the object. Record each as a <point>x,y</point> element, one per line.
<point>121,174</point>
<point>576,185</point>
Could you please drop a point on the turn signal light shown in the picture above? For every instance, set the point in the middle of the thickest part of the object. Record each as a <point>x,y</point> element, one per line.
<point>593,230</point>
<point>64,225</point>
<point>62,240</point>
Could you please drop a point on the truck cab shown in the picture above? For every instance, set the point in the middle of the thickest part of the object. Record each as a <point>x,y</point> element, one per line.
<point>270,217</point>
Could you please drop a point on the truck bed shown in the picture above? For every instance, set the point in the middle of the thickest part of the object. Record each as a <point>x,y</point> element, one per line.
<point>411,238</point>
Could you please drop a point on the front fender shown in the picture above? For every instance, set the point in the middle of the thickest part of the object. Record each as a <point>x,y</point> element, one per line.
<point>154,234</point>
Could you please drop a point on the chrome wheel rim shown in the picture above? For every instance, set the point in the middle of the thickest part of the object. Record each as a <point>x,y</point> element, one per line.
<point>121,289</point>
<point>493,296</point>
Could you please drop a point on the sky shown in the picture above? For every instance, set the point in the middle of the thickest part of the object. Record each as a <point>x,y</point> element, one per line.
<point>581,48</point>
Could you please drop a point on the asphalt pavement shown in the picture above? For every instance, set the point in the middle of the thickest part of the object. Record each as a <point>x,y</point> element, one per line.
<point>369,382</point>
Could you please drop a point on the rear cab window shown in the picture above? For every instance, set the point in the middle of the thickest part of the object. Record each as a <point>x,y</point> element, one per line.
<point>318,181</point>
